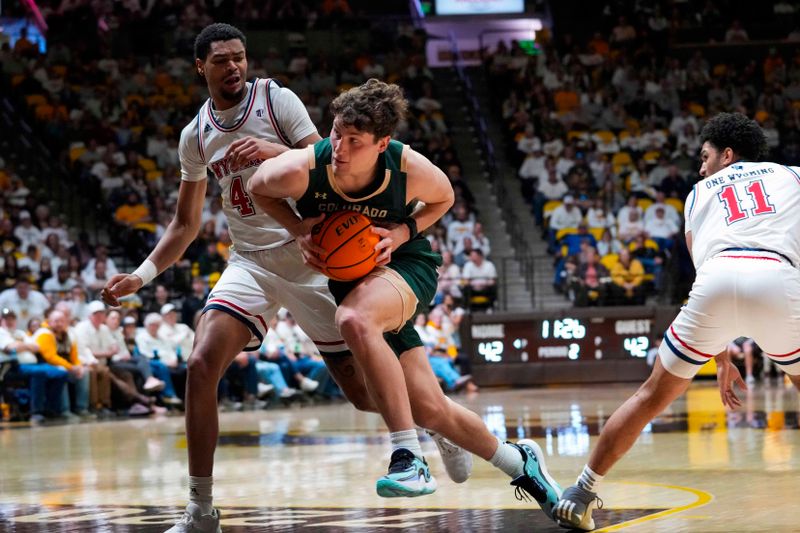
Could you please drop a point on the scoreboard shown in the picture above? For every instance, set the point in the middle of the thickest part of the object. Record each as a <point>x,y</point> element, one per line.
<point>569,346</point>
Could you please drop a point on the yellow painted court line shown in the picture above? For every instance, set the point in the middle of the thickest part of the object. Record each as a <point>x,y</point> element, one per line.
<point>703,498</point>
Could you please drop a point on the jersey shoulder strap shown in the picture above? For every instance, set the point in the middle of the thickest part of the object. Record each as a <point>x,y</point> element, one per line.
<point>270,111</point>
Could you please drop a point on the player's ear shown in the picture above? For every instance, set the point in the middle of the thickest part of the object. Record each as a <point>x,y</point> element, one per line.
<point>728,156</point>
<point>198,63</point>
<point>383,144</point>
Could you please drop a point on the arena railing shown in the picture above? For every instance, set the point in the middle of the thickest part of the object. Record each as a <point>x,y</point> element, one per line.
<point>496,173</point>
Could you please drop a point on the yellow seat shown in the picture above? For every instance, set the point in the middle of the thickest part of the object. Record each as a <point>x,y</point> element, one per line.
<point>597,233</point>
<point>550,206</point>
<point>676,203</point>
<point>35,100</point>
<point>576,134</point>
<point>75,152</point>
<point>134,98</point>
<point>147,164</point>
<point>605,136</point>
<point>697,110</point>
<point>152,175</point>
<point>609,260</point>
<point>644,203</point>
<point>560,234</point>
<point>648,243</point>
<point>652,156</point>
<point>620,160</point>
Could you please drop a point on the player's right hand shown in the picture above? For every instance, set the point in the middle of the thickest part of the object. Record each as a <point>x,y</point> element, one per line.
<point>313,254</point>
<point>728,376</point>
<point>118,286</point>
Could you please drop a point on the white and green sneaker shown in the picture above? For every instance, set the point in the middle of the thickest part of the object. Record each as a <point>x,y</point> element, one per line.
<point>536,480</point>
<point>408,476</point>
<point>194,521</point>
<point>574,510</point>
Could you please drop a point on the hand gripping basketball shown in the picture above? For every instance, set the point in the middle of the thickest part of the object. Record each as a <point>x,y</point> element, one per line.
<point>349,244</point>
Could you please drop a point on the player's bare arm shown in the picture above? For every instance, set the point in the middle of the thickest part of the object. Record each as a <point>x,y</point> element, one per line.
<point>427,184</point>
<point>286,176</point>
<point>180,233</point>
<point>249,148</point>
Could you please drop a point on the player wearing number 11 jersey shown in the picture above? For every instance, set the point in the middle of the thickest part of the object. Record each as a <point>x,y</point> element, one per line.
<point>743,231</point>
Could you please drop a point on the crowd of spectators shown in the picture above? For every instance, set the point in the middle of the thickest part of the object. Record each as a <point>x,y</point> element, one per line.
<point>115,119</point>
<point>603,132</point>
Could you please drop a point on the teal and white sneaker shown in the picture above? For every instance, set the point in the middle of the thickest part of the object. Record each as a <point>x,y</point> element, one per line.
<point>408,476</point>
<point>536,480</point>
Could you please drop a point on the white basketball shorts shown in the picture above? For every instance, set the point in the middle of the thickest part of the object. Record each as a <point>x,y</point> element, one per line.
<point>737,293</point>
<point>256,284</point>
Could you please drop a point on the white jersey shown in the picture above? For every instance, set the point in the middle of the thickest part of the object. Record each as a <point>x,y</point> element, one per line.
<point>746,205</point>
<point>278,116</point>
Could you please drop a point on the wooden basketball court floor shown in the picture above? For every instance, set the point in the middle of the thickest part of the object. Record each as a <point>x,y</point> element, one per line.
<point>313,469</point>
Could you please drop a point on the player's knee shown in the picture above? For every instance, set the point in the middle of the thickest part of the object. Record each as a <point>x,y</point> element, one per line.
<point>352,324</point>
<point>199,367</point>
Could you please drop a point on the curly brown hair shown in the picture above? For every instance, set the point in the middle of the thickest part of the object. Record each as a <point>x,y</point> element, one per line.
<point>374,107</point>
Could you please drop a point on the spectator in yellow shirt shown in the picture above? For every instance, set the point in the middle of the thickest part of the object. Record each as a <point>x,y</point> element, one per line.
<point>627,275</point>
<point>57,348</point>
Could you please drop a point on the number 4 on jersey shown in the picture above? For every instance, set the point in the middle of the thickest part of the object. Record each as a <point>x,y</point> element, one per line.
<point>239,198</point>
<point>730,197</point>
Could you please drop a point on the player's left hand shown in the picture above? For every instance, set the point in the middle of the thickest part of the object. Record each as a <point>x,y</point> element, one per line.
<point>247,148</point>
<point>391,239</point>
<point>728,376</point>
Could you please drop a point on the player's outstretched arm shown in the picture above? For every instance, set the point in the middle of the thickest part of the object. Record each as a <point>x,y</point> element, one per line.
<point>179,234</point>
<point>286,176</point>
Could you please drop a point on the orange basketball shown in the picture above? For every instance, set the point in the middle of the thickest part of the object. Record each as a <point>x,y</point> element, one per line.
<point>349,242</point>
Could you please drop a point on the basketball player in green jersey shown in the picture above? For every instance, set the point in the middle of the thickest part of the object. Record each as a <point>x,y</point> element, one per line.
<point>360,168</point>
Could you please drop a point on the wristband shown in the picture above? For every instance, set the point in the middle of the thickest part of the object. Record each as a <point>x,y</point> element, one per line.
<point>412,227</point>
<point>146,271</point>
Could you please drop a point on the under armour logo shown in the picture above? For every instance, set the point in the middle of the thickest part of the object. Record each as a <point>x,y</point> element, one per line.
<point>322,195</point>
<point>207,128</point>
<point>259,113</point>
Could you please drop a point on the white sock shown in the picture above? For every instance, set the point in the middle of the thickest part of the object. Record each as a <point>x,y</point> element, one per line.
<point>508,459</point>
<point>407,439</point>
<point>589,479</point>
<point>200,493</point>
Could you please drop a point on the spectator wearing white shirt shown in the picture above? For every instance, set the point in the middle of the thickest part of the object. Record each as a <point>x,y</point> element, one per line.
<point>459,228</point>
<point>565,163</point>
<point>630,227</point>
<point>480,240</point>
<point>25,302</point>
<point>27,233</point>
<point>632,204</point>
<point>669,211</point>
<point>216,214</point>
<point>480,276</point>
<point>95,346</point>
<point>57,287</point>
<point>179,335</point>
<point>679,121</point>
<point>162,352</point>
<point>567,215</point>
<point>661,229</point>
<point>551,187</point>
<point>55,225</point>
<point>598,217</point>
<point>449,277</point>
<point>97,279</point>
<point>100,256</point>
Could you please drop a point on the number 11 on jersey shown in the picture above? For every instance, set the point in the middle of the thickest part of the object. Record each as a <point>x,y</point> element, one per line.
<point>730,197</point>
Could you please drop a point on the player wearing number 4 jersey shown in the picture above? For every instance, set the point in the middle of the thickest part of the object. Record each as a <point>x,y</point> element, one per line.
<point>240,126</point>
<point>743,231</point>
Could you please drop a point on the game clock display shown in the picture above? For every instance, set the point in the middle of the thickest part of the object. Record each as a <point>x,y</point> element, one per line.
<point>561,338</point>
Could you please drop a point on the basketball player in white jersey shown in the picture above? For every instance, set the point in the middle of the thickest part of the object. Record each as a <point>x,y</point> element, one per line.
<point>239,127</point>
<point>743,231</point>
